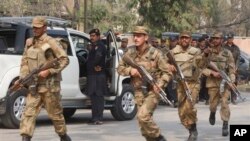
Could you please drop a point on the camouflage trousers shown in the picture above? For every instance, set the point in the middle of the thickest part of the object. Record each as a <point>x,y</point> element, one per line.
<point>215,98</point>
<point>186,110</point>
<point>146,105</point>
<point>51,102</point>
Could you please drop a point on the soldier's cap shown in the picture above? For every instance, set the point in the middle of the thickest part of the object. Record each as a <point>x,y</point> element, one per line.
<point>141,30</point>
<point>95,30</point>
<point>185,34</point>
<point>124,39</point>
<point>217,35</point>
<point>39,21</point>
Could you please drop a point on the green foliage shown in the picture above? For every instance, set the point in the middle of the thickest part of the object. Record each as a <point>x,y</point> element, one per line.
<point>171,15</point>
<point>98,13</point>
<point>158,15</point>
<point>113,14</point>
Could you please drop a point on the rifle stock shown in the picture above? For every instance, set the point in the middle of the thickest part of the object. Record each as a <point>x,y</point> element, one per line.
<point>28,78</point>
<point>229,82</point>
<point>147,77</point>
<point>181,75</point>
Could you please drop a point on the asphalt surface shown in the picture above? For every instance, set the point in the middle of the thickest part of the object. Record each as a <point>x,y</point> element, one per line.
<point>112,130</point>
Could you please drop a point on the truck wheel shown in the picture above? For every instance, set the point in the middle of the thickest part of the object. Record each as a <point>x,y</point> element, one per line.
<point>124,106</point>
<point>14,109</point>
<point>68,112</point>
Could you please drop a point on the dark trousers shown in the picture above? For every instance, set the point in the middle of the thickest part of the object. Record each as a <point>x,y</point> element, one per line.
<point>97,107</point>
<point>203,94</point>
<point>172,94</point>
<point>96,89</point>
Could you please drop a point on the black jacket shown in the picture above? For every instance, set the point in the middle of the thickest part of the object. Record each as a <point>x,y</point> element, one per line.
<point>97,56</point>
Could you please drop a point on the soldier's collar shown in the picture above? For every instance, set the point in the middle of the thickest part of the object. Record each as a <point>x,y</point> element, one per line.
<point>146,48</point>
<point>184,50</point>
<point>42,37</point>
<point>217,49</point>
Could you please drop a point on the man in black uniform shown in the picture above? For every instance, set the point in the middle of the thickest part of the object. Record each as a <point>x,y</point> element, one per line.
<point>203,94</point>
<point>236,55</point>
<point>96,77</point>
<point>171,87</point>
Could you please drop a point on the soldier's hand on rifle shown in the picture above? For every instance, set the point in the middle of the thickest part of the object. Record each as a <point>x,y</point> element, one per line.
<point>134,72</point>
<point>16,82</point>
<point>172,68</point>
<point>207,51</point>
<point>231,85</point>
<point>44,73</point>
<point>215,74</point>
<point>16,85</point>
<point>156,89</point>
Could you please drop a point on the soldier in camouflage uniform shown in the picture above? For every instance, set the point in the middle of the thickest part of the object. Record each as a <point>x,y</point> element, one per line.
<point>223,59</point>
<point>38,50</point>
<point>154,62</point>
<point>191,62</point>
<point>236,55</point>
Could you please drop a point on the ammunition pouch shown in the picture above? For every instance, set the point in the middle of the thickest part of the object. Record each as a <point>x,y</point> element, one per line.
<point>145,87</point>
<point>33,89</point>
<point>222,86</point>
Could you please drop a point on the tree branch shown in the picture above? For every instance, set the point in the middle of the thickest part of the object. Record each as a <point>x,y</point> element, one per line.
<point>226,25</point>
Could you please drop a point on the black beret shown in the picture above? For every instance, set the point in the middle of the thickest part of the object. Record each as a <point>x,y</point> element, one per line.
<point>95,30</point>
<point>173,38</point>
<point>205,36</point>
<point>201,39</point>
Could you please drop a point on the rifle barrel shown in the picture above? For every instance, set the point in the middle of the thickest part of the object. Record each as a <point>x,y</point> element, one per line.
<point>143,72</point>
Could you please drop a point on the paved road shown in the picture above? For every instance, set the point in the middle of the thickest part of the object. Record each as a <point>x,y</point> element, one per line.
<point>112,130</point>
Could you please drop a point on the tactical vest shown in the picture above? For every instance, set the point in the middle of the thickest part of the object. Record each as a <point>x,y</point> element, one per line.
<point>40,53</point>
<point>148,60</point>
<point>221,59</point>
<point>185,59</point>
<point>36,55</point>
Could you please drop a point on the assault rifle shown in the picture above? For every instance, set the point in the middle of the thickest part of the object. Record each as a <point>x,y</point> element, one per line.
<point>29,78</point>
<point>147,77</point>
<point>229,82</point>
<point>182,77</point>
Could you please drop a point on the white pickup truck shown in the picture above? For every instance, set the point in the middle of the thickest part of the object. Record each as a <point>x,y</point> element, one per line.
<point>14,32</point>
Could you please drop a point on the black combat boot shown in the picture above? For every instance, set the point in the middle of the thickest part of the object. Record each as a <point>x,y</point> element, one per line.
<point>26,138</point>
<point>193,133</point>
<point>212,118</point>
<point>225,128</point>
<point>160,138</point>
<point>65,137</point>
